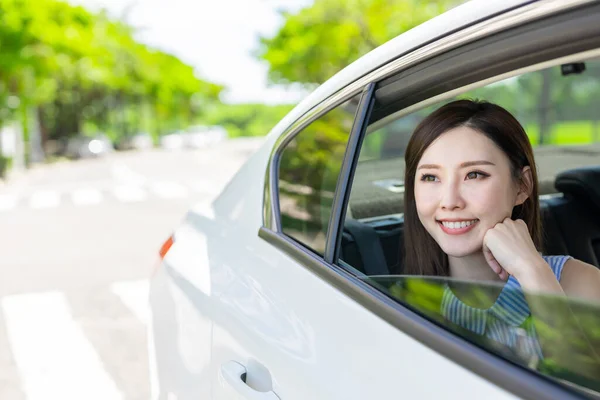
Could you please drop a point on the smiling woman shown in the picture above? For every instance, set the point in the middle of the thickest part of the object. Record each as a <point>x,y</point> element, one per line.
<point>467,162</point>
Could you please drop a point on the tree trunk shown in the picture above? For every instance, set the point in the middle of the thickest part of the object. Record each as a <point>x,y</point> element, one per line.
<point>43,126</point>
<point>544,106</point>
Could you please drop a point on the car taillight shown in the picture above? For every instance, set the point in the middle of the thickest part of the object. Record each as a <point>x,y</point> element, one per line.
<point>165,247</point>
<point>162,253</point>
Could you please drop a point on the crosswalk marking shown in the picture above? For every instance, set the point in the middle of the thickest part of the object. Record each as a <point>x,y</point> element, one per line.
<point>126,175</point>
<point>134,294</point>
<point>7,202</point>
<point>86,196</point>
<point>44,199</point>
<point>169,190</point>
<point>130,194</point>
<point>55,359</point>
<point>127,193</point>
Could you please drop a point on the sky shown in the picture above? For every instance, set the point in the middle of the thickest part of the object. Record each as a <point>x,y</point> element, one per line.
<point>217,37</point>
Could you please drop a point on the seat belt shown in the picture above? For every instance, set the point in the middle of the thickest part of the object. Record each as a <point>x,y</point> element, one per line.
<point>369,247</point>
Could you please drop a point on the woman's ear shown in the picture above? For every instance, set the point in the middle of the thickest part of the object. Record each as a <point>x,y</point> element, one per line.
<point>525,186</point>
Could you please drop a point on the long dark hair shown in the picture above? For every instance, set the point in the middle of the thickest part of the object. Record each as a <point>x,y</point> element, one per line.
<point>423,256</point>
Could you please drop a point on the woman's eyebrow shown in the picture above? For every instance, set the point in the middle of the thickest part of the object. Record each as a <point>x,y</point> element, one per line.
<point>463,165</point>
<point>472,163</point>
<point>428,166</point>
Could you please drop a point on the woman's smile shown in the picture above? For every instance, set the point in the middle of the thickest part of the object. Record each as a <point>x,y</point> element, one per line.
<point>457,226</point>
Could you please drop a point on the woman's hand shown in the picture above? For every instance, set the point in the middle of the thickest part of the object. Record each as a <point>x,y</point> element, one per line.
<point>509,249</point>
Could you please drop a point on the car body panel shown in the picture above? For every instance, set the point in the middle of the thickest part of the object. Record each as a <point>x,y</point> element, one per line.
<point>179,338</point>
<point>278,315</point>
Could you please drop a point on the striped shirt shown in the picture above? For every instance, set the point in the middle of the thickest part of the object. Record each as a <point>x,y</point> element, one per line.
<point>507,320</point>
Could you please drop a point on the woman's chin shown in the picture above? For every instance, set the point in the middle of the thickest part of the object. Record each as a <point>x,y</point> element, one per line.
<point>460,251</point>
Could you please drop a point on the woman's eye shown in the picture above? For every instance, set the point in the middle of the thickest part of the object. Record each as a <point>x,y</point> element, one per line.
<point>476,174</point>
<point>428,178</point>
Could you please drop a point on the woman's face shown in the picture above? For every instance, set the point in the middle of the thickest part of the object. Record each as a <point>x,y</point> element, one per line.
<point>463,188</point>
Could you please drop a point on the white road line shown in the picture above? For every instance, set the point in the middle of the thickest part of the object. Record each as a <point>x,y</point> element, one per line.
<point>86,196</point>
<point>126,175</point>
<point>7,202</point>
<point>169,190</point>
<point>44,199</point>
<point>55,359</point>
<point>134,294</point>
<point>130,194</point>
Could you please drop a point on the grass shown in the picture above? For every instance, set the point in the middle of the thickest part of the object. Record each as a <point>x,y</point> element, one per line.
<point>561,133</point>
<point>567,132</point>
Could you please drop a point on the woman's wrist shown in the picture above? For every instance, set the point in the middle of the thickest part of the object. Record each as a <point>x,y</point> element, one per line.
<point>537,276</point>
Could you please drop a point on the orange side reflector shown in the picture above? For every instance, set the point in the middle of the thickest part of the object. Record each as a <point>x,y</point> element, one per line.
<point>165,247</point>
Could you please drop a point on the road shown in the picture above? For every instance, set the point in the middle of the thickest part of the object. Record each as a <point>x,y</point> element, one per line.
<point>79,241</point>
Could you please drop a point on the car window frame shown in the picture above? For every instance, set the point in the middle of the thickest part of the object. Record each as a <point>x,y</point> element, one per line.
<point>513,378</point>
<point>271,211</point>
<point>358,120</point>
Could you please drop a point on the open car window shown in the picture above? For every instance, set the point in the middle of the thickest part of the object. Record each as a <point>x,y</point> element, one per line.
<point>558,108</point>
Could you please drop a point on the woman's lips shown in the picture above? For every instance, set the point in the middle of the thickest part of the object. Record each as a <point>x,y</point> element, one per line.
<point>457,231</point>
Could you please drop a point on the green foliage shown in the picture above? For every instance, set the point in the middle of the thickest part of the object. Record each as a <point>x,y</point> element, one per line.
<point>245,119</point>
<point>322,39</point>
<point>5,163</point>
<point>554,109</point>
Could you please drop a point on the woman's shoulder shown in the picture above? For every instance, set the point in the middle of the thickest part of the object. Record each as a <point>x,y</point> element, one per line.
<point>578,278</point>
<point>557,264</point>
<point>556,259</point>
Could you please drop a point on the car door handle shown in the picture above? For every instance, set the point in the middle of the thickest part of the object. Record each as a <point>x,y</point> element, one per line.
<point>234,374</point>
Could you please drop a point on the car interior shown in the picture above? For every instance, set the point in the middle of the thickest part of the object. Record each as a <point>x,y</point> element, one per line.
<point>569,183</point>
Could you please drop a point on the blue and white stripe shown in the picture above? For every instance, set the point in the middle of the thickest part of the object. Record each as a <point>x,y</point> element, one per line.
<point>505,320</point>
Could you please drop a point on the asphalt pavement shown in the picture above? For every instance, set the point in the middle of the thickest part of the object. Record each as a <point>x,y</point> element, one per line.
<point>79,241</point>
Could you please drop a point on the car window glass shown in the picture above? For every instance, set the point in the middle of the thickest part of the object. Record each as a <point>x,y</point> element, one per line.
<point>308,171</point>
<point>558,108</point>
<point>562,340</point>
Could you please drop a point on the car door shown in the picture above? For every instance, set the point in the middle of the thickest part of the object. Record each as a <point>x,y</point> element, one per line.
<point>293,333</point>
<point>290,320</point>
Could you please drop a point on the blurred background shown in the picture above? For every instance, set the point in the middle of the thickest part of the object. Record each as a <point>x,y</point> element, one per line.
<point>115,117</point>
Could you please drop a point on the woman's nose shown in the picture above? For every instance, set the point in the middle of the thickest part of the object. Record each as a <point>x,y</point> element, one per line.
<point>451,197</point>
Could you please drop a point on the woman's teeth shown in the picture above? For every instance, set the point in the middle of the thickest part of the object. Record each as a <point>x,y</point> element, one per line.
<point>458,225</point>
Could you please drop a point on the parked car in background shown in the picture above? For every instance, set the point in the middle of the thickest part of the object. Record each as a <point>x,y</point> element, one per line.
<point>291,284</point>
<point>172,141</point>
<point>197,137</point>
<point>82,146</point>
<point>138,141</point>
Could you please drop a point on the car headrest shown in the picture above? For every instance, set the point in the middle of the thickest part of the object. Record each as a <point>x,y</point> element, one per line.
<point>581,182</point>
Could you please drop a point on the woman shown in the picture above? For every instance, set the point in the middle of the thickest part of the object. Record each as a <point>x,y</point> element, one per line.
<point>472,213</point>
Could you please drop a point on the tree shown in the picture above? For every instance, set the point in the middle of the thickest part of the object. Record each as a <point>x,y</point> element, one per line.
<point>320,40</point>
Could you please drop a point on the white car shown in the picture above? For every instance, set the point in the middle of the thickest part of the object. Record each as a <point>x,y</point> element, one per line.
<point>137,141</point>
<point>81,146</point>
<point>290,285</point>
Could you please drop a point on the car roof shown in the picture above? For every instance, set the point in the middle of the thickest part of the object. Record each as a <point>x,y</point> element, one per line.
<point>457,18</point>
